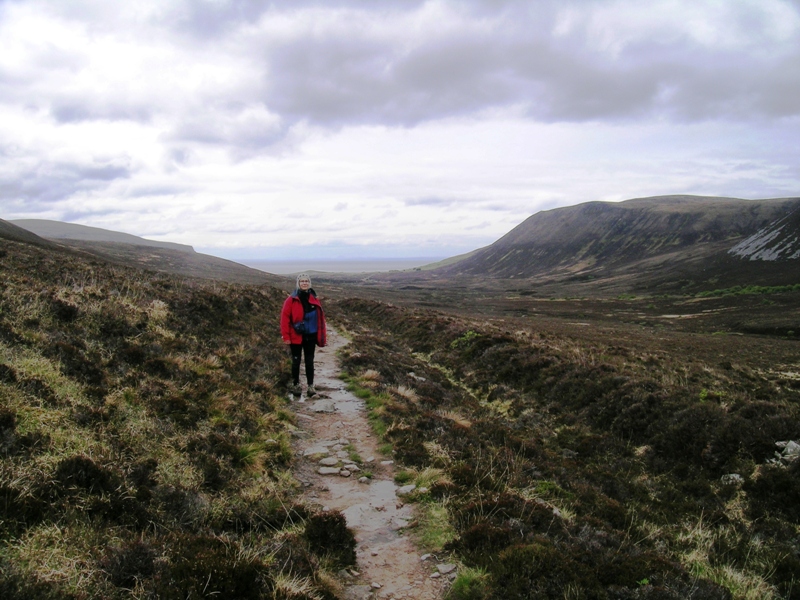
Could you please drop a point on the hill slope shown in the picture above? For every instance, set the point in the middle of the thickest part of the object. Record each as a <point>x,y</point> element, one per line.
<point>57,230</point>
<point>647,235</point>
<point>777,242</point>
<point>130,250</point>
<point>144,441</point>
<point>9,231</point>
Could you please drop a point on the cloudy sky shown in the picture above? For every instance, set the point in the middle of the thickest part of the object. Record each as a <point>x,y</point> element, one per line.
<point>374,128</point>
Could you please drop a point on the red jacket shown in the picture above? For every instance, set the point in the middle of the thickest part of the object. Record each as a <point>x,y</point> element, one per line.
<point>292,312</point>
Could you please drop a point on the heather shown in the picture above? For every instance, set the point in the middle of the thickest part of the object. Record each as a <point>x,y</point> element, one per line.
<point>145,446</point>
<point>582,462</point>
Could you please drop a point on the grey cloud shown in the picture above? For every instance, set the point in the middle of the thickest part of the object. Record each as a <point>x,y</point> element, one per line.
<point>147,191</point>
<point>337,81</point>
<point>495,207</point>
<point>204,18</point>
<point>246,129</point>
<point>48,182</point>
<point>428,202</point>
<point>330,67</point>
<point>72,215</point>
<point>91,109</point>
<point>104,172</point>
<point>515,59</point>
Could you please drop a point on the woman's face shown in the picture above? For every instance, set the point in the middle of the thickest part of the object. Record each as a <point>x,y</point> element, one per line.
<point>304,283</point>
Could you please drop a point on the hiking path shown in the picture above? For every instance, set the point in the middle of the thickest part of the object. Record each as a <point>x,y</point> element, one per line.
<point>333,428</point>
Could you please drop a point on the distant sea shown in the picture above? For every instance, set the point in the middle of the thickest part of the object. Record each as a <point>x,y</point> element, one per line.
<point>292,267</point>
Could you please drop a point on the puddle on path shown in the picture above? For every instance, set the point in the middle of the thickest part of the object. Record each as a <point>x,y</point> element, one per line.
<point>377,517</point>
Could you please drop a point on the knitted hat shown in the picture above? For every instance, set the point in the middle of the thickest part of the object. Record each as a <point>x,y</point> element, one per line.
<point>303,276</point>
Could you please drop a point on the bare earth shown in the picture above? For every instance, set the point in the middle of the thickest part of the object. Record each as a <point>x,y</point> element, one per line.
<point>389,563</point>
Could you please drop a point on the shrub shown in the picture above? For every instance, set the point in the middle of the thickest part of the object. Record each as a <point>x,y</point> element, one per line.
<point>539,570</point>
<point>129,563</point>
<point>775,489</point>
<point>327,535</point>
<point>83,472</point>
<point>203,566</point>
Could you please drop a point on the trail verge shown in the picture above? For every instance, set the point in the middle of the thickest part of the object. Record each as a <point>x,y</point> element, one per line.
<point>341,469</point>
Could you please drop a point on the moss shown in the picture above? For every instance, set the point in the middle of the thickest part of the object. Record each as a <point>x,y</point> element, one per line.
<point>469,584</point>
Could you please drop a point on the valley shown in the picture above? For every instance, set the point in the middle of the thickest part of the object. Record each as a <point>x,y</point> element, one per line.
<point>613,432</point>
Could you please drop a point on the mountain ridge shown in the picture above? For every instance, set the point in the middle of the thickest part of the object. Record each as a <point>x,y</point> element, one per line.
<point>603,239</point>
<point>60,230</point>
<point>165,257</point>
<point>16,233</point>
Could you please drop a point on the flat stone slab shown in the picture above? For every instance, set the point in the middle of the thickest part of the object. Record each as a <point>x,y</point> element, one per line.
<point>398,523</point>
<point>323,406</point>
<point>329,461</point>
<point>316,450</point>
<point>329,470</point>
<point>342,441</point>
<point>357,592</point>
<point>406,489</point>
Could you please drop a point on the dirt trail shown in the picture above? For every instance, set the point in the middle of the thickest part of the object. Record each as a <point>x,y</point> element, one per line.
<point>389,564</point>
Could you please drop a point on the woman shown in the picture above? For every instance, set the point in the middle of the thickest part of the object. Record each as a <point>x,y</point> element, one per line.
<point>303,328</point>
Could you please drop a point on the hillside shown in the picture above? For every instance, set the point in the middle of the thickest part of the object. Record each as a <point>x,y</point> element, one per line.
<point>130,250</point>
<point>9,231</point>
<point>777,242</point>
<point>145,445</point>
<point>571,458</point>
<point>605,449</point>
<point>656,241</point>
<point>58,230</point>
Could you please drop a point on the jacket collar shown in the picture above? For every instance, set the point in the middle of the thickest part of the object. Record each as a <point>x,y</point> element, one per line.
<point>312,295</point>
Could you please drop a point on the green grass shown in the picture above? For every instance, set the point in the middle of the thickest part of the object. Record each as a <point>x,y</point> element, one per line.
<point>435,529</point>
<point>739,290</point>
<point>375,402</point>
<point>143,440</point>
<point>403,477</point>
<point>469,584</point>
<point>597,458</point>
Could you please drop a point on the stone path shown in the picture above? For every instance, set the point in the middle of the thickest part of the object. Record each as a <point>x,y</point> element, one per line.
<point>334,426</point>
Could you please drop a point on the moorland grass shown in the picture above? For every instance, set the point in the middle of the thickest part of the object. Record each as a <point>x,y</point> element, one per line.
<point>145,448</point>
<point>579,486</point>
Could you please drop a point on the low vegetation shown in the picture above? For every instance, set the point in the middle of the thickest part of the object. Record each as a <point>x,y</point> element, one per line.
<point>144,444</point>
<point>607,449</point>
<point>739,290</point>
<point>592,465</point>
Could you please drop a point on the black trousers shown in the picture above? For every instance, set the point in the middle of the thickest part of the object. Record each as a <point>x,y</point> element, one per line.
<point>307,349</point>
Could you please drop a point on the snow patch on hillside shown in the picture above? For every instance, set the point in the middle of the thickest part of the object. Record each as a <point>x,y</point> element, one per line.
<point>777,241</point>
